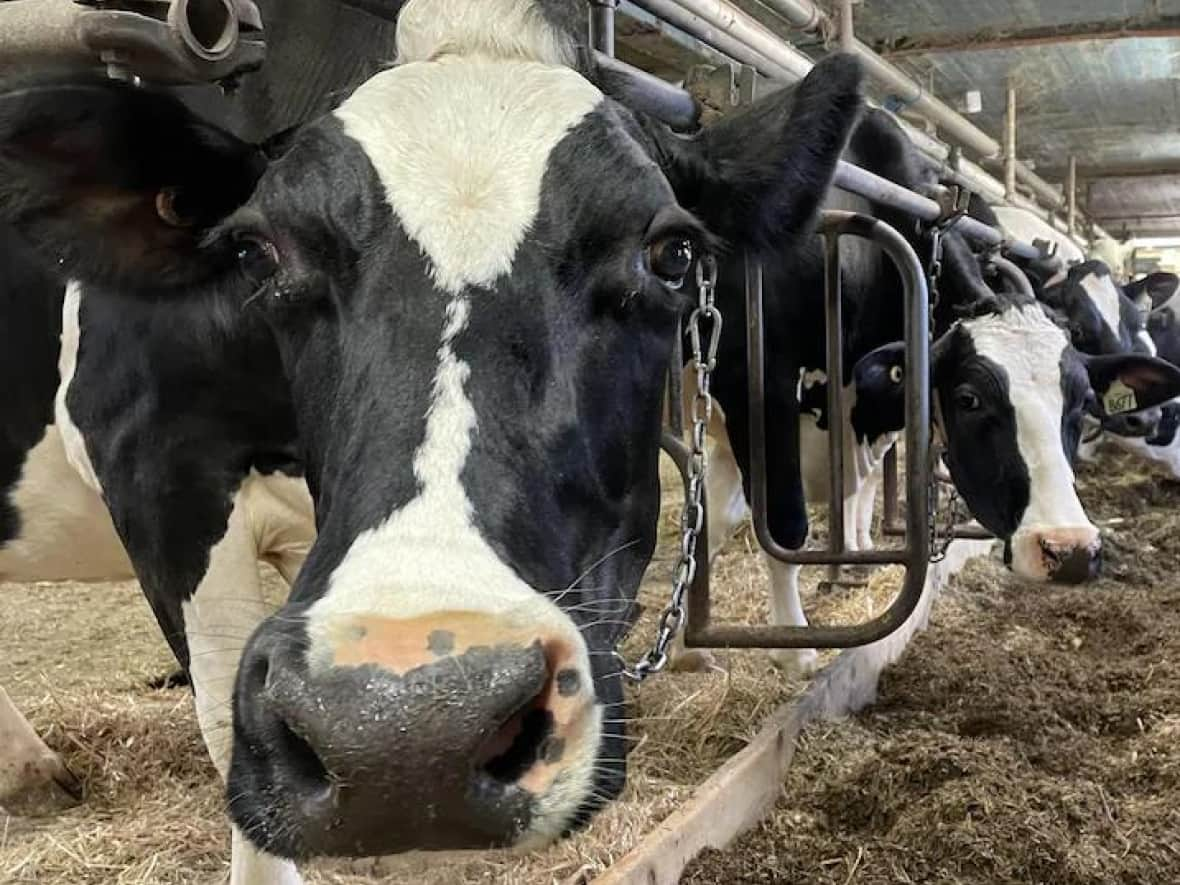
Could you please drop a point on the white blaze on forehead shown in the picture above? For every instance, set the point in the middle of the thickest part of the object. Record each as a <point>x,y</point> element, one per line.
<point>461,147</point>
<point>428,556</point>
<point>1104,295</point>
<point>1029,347</point>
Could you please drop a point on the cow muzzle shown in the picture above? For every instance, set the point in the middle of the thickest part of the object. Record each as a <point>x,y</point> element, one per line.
<point>1067,555</point>
<point>1134,424</point>
<point>456,730</point>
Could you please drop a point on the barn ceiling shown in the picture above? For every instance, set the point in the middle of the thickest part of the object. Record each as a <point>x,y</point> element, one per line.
<point>1114,104</point>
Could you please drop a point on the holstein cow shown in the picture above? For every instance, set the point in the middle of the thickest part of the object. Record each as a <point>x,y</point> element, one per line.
<point>1153,291</point>
<point>53,522</point>
<point>1010,393</point>
<point>451,304</point>
<point>1162,446</point>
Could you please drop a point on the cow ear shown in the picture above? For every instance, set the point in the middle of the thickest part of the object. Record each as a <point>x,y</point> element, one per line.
<point>759,175</point>
<point>1131,382</point>
<point>114,183</point>
<point>1161,287</point>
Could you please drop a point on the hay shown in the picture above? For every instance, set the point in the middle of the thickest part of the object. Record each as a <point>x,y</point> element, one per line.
<point>78,660</point>
<point>1029,736</point>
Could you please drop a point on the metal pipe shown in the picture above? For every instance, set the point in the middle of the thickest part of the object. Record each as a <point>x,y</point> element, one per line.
<point>807,16</point>
<point>760,45</point>
<point>37,32</point>
<point>602,26</point>
<point>1071,195</point>
<point>1010,145</point>
<point>880,190</point>
<point>651,95</point>
<point>847,33</point>
<point>834,327</point>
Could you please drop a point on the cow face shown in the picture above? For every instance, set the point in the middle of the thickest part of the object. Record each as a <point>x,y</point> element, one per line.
<point>1153,291</point>
<point>1102,320</point>
<point>1010,395</point>
<point>472,270</point>
<point>1100,317</point>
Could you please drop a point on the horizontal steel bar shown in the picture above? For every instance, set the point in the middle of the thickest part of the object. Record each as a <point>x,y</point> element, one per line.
<point>651,95</point>
<point>811,636</point>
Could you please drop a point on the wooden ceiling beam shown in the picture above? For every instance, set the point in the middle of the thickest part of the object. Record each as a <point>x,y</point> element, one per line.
<point>1018,38</point>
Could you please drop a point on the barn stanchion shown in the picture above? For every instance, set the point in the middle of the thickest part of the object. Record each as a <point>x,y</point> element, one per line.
<point>915,554</point>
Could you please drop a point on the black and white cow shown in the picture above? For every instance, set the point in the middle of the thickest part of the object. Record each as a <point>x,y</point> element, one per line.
<point>450,304</point>
<point>1009,389</point>
<point>53,522</point>
<point>1153,291</point>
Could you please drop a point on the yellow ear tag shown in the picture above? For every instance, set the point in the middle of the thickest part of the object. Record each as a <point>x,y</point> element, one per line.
<point>1119,398</point>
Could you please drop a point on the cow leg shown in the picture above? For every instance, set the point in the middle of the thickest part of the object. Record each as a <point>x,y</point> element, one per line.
<point>723,488</point>
<point>786,608</point>
<point>866,501</point>
<point>33,778</point>
<point>220,617</point>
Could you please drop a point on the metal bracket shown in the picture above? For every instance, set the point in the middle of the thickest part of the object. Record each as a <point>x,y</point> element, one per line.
<point>162,41</point>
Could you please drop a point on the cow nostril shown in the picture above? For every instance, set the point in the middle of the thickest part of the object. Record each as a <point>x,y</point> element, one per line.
<point>517,745</point>
<point>302,762</point>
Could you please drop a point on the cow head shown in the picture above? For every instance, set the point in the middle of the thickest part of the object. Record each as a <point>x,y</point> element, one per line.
<point>1153,291</point>
<point>1103,321</point>
<point>473,271</point>
<point>1010,396</point>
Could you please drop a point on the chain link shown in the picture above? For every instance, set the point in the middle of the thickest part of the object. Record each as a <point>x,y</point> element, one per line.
<point>692,518</point>
<point>939,545</point>
<point>940,542</point>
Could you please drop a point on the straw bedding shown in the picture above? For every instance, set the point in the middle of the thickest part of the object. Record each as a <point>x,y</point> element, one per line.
<point>1031,736</point>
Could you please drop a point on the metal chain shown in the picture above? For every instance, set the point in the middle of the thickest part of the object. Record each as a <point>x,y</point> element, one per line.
<point>692,518</point>
<point>939,547</point>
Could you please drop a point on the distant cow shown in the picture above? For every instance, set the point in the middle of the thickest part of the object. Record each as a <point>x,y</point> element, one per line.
<point>450,304</point>
<point>1010,393</point>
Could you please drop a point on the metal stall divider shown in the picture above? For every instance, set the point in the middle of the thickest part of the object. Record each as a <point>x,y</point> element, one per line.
<point>700,630</point>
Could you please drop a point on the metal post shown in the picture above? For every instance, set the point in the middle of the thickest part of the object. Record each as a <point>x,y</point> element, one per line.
<point>1071,195</point>
<point>835,333</point>
<point>1010,146</point>
<point>602,26</point>
<point>847,34</point>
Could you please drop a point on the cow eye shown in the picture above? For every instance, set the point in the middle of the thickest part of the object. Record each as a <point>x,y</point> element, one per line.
<point>896,374</point>
<point>967,400</point>
<point>670,259</point>
<point>257,257</point>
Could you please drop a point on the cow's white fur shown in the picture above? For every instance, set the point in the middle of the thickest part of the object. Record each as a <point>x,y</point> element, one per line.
<point>1104,295</point>
<point>502,29</point>
<point>66,532</point>
<point>1029,347</point>
<point>67,365</point>
<point>272,516</point>
<point>461,147</point>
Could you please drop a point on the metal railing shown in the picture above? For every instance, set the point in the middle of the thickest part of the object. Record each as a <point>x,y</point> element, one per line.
<point>700,630</point>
